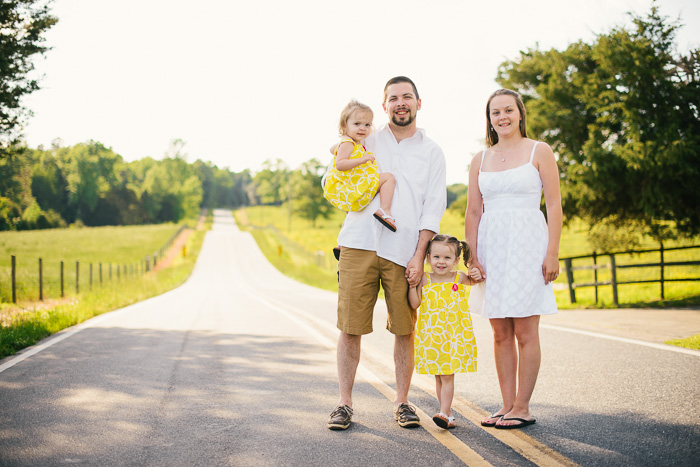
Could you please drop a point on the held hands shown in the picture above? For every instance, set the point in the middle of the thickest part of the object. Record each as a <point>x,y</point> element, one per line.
<point>412,277</point>
<point>475,274</point>
<point>414,271</point>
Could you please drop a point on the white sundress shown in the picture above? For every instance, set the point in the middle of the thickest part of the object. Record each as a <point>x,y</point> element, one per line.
<point>511,245</point>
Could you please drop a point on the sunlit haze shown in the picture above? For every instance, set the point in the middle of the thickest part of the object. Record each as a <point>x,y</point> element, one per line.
<point>245,81</point>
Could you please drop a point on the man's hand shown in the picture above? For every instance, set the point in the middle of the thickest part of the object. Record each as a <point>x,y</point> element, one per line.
<point>414,273</point>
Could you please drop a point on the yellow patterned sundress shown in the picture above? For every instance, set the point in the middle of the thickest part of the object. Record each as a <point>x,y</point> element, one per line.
<point>444,342</point>
<point>352,190</point>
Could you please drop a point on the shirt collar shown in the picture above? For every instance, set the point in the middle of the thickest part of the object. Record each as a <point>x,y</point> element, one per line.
<point>418,136</point>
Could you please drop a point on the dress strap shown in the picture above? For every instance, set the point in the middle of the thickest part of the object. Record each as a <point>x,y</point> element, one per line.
<point>532,154</point>
<point>482,159</point>
<point>456,281</point>
<point>427,274</point>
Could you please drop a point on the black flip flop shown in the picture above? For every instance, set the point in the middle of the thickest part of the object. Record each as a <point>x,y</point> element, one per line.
<point>497,418</point>
<point>519,425</point>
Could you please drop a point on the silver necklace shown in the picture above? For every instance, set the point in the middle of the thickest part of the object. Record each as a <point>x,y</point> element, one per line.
<point>503,155</point>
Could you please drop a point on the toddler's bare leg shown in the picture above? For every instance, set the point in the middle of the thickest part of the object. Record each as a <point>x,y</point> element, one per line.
<point>387,183</point>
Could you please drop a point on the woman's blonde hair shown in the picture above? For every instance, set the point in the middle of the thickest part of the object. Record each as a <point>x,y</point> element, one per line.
<point>352,106</point>
<point>491,135</point>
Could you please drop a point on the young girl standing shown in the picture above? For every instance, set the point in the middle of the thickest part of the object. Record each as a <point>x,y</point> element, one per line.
<point>444,342</point>
<point>354,178</point>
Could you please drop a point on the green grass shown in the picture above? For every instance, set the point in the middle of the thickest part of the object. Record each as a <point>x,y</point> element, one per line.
<point>692,342</point>
<point>306,243</point>
<point>121,245</point>
<point>29,326</point>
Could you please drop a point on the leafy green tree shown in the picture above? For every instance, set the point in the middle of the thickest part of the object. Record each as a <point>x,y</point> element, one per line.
<point>22,27</point>
<point>48,186</point>
<point>171,191</point>
<point>242,184</point>
<point>206,171</point>
<point>271,183</point>
<point>308,193</point>
<point>622,114</point>
<point>89,170</point>
<point>454,192</point>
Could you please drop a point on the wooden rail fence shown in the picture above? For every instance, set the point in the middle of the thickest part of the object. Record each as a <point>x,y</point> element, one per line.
<point>111,269</point>
<point>613,267</point>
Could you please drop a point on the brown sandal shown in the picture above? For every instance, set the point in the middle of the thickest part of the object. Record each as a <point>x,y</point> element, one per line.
<point>387,221</point>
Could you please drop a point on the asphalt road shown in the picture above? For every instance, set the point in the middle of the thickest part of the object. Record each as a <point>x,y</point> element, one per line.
<point>237,367</point>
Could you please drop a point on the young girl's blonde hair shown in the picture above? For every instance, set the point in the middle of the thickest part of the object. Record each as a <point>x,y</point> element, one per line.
<point>352,106</point>
<point>461,247</point>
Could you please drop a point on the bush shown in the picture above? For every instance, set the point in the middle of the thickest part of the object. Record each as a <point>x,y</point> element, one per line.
<point>613,235</point>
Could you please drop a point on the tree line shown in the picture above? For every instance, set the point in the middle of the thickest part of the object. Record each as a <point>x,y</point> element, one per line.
<point>621,113</point>
<point>89,184</point>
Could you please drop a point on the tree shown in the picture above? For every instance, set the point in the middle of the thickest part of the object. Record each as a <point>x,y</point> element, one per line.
<point>22,27</point>
<point>455,192</point>
<point>271,183</point>
<point>89,171</point>
<point>622,114</point>
<point>308,193</point>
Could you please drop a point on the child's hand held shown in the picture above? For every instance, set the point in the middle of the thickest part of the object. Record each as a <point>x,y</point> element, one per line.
<point>475,274</point>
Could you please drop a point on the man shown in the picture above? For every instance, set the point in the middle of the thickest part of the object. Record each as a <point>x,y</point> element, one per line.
<point>371,254</point>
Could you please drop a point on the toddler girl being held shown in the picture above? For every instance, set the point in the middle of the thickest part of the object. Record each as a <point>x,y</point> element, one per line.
<point>444,342</point>
<point>354,177</point>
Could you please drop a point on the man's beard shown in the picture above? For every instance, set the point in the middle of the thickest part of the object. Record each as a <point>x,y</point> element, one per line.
<point>408,121</point>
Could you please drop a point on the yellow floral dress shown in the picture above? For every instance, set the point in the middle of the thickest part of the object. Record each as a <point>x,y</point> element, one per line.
<point>444,342</point>
<point>352,190</point>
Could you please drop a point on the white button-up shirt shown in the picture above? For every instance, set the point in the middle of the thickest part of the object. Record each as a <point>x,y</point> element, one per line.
<point>419,200</point>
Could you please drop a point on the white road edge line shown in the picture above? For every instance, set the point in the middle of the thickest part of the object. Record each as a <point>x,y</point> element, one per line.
<point>670,348</point>
<point>69,332</point>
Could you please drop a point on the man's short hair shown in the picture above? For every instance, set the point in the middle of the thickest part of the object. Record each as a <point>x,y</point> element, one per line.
<point>401,79</point>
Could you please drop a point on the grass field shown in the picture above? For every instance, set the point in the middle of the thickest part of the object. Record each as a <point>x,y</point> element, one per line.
<point>121,245</point>
<point>302,243</point>
<point>27,325</point>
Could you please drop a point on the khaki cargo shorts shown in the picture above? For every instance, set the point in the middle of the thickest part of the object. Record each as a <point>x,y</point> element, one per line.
<point>360,274</point>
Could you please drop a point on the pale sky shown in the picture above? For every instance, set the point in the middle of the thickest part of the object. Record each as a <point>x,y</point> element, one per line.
<point>245,81</point>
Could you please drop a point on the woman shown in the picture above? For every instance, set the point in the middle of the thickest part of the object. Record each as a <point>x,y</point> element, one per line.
<point>516,251</point>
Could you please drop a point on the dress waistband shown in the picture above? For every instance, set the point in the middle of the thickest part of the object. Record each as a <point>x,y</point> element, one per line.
<point>512,202</point>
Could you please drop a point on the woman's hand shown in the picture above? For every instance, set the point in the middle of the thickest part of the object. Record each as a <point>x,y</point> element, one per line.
<point>550,269</point>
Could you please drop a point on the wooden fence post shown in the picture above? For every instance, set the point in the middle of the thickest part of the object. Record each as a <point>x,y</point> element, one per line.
<point>62,289</point>
<point>41,281</point>
<point>90,276</point>
<point>100,273</point>
<point>613,279</point>
<point>77,277</point>
<point>570,279</point>
<point>14,279</point>
<point>661,254</point>
<point>595,275</point>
